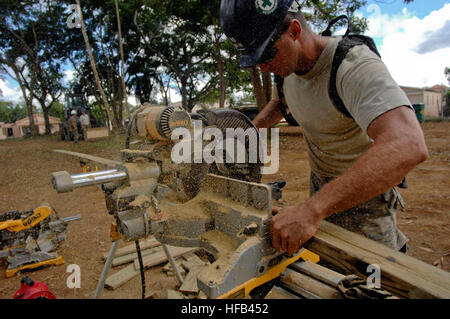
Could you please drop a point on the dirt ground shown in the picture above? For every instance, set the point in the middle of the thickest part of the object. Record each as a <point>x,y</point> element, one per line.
<point>26,165</point>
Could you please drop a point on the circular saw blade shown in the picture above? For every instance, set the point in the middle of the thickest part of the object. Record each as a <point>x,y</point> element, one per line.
<point>250,169</point>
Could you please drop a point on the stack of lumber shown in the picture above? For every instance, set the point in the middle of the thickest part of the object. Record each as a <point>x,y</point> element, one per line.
<point>152,255</point>
<point>401,275</point>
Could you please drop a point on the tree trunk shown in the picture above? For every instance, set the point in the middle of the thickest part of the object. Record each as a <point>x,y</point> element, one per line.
<point>94,68</point>
<point>221,70</point>
<point>28,99</point>
<point>184,95</point>
<point>48,130</point>
<point>124,87</point>
<point>33,128</point>
<point>267,85</point>
<point>45,110</point>
<point>260,95</point>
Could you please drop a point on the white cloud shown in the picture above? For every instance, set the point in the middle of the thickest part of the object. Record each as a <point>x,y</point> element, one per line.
<point>131,99</point>
<point>174,96</point>
<point>68,75</point>
<point>9,93</point>
<point>404,36</point>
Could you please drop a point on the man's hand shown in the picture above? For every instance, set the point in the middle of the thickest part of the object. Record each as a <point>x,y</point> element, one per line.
<point>293,226</point>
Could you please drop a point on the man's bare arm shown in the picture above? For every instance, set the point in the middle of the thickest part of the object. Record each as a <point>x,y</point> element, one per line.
<point>399,146</point>
<point>269,116</point>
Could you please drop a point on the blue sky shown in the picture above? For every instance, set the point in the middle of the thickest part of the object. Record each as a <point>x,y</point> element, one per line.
<point>413,39</point>
<point>419,8</point>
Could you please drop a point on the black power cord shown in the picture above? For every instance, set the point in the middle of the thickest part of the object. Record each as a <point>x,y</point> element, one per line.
<point>141,267</point>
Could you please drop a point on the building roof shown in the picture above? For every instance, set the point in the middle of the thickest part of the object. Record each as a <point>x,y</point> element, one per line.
<point>409,90</point>
<point>439,88</point>
<point>38,120</point>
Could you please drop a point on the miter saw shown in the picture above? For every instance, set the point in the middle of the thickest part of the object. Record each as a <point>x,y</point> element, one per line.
<point>29,239</point>
<point>220,206</point>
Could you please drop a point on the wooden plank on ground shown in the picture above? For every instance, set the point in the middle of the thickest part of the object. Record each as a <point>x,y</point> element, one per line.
<point>145,244</point>
<point>173,294</point>
<point>190,282</point>
<point>131,257</point>
<point>122,276</point>
<point>158,258</point>
<point>170,272</point>
<point>129,272</point>
<point>401,275</point>
<point>192,262</point>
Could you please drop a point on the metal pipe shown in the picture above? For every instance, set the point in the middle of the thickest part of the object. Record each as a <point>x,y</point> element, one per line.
<point>94,173</point>
<point>87,179</point>
<point>64,182</point>
<point>173,263</point>
<point>109,259</point>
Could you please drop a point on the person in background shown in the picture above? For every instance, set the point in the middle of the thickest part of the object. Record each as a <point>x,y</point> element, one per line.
<point>73,125</point>
<point>85,122</point>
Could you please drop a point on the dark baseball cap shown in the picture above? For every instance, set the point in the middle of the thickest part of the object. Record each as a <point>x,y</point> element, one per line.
<point>251,24</point>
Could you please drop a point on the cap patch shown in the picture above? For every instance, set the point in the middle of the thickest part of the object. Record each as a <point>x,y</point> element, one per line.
<point>266,6</point>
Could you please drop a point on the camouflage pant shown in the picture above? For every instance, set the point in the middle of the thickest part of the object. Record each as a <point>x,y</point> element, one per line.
<point>374,219</point>
<point>74,132</point>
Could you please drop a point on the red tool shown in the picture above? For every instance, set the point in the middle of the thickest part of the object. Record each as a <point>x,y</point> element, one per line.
<point>33,290</point>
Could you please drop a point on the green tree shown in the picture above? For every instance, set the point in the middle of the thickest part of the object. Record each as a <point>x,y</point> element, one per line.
<point>10,112</point>
<point>447,74</point>
<point>57,110</point>
<point>48,85</point>
<point>32,51</point>
<point>19,48</point>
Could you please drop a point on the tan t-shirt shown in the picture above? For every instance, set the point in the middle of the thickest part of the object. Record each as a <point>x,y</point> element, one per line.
<point>367,90</point>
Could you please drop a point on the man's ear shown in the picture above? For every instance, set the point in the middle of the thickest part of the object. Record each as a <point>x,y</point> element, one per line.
<point>295,29</point>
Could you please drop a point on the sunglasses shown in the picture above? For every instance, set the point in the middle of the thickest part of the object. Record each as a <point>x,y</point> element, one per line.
<point>270,52</point>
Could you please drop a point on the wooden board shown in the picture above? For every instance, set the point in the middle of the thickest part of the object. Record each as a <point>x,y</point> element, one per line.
<point>402,275</point>
<point>192,262</point>
<point>307,286</point>
<point>158,258</point>
<point>125,259</point>
<point>318,272</point>
<point>190,282</point>
<point>173,294</point>
<point>145,244</point>
<point>99,161</point>
<point>279,293</point>
<point>170,272</point>
<point>122,276</point>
